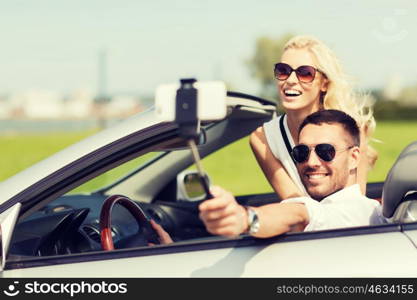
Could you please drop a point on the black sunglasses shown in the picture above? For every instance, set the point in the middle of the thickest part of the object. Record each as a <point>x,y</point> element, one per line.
<point>325,152</point>
<point>304,74</point>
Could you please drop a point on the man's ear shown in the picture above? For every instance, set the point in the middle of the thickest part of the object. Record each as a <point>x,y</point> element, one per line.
<point>354,157</point>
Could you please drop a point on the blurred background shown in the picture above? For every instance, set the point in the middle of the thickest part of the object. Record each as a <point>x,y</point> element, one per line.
<point>70,68</point>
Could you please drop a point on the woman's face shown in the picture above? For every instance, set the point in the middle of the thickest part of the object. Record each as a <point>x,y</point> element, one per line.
<point>296,95</point>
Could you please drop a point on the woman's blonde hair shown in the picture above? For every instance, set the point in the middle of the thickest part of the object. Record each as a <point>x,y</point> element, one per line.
<point>339,94</point>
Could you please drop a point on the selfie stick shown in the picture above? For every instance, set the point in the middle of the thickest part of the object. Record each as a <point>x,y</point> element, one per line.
<point>186,111</point>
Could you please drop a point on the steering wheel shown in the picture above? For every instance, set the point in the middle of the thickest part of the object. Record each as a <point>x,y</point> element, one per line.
<point>105,221</point>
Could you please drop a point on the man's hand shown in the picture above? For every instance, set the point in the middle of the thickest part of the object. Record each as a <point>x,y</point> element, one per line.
<point>222,215</point>
<point>163,236</point>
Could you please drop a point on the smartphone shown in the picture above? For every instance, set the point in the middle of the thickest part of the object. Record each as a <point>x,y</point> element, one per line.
<point>211,100</point>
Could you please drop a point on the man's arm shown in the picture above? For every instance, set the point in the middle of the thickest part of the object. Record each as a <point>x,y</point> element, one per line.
<point>222,215</point>
<point>279,218</point>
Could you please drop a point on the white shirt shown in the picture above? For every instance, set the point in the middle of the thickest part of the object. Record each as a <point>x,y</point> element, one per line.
<point>277,146</point>
<point>345,208</point>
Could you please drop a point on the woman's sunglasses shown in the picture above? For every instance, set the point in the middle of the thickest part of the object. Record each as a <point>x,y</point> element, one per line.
<point>325,152</point>
<point>304,74</point>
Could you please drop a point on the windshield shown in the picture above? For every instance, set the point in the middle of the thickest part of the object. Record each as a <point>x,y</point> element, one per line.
<point>116,174</point>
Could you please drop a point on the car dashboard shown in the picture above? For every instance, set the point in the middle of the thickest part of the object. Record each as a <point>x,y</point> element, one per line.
<point>70,224</point>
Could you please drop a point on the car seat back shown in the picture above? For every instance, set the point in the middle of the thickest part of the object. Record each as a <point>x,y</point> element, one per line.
<point>399,193</point>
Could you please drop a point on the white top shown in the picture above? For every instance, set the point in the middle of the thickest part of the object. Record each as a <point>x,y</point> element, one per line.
<point>279,150</point>
<point>345,208</point>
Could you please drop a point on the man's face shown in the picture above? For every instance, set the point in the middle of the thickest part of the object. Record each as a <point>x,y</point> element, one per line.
<point>322,178</point>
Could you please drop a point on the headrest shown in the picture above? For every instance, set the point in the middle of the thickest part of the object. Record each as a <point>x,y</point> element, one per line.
<point>401,179</point>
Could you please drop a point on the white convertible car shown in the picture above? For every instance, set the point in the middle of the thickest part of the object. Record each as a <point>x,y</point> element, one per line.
<point>49,229</point>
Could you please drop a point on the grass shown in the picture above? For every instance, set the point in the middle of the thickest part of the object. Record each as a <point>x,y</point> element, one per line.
<point>19,151</point>
<point>394,137</point>
<point>234,167</point>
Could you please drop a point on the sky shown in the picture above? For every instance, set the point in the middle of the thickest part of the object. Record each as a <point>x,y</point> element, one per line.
<point>55,45</point>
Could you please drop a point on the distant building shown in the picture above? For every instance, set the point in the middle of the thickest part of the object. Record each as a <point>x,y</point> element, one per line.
<point>121,107</point>
<point>6,108</point>
<point>409,96</point>
<point>393,88</point>
<point>37,104</point>
<point>79,105</point>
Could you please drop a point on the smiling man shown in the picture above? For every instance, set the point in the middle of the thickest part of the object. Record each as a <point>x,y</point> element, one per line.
<point>327,158</point>
<point>327,134</point>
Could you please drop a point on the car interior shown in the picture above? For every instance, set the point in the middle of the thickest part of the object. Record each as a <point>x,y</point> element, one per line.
<point>72,222</point>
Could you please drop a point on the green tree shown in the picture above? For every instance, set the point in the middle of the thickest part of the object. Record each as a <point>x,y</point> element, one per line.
<point>268,51</point>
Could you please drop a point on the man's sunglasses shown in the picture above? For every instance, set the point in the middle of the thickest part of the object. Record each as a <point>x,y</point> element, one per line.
<point>325,152</point>
<point>304,74</point>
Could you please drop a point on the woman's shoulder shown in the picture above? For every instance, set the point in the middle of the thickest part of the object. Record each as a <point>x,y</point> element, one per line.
<point>265,128</point>
<point>257,136</point>
<point>273,123</point>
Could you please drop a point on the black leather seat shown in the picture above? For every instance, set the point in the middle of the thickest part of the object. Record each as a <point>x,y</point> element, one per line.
<point>401,183</point>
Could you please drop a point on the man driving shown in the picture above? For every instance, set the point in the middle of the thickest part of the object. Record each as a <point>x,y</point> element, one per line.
<point>327,157</point>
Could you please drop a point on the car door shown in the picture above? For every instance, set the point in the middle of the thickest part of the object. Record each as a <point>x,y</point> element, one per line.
<point>352,252</point>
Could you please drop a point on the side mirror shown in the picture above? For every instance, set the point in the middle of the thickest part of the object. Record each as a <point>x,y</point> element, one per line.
<point>1,251</point>
<point>8,220</point>
<point>189,187</point>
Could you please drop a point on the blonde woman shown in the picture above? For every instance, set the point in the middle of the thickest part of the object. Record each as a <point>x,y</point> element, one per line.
<point>309,78</point>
